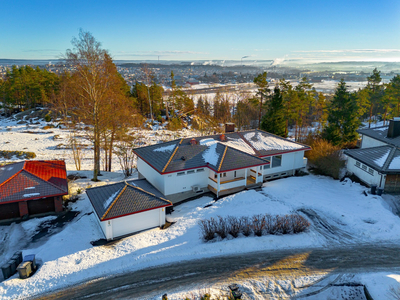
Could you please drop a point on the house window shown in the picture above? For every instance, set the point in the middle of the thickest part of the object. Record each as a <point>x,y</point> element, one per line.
<point>190,171</point>
<point>371,171</point>
<point>234,174</point>
<point>358,164</point>
<point>222,175</point>
<point>260,168</point>
<point>215,176</point>
<point>200,170</point>
<point>266,167</point>
<point>276,161</point>
<point>364,167</point>
<point>180,173</point>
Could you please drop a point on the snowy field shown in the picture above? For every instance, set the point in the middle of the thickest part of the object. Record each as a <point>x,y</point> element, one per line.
<point>67,257</point>
<point>52,143</point>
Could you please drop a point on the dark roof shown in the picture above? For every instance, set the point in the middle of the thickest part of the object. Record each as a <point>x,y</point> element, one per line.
<point>32,180</point>
<point>384,159</point>
<point>380,134</point>
<point>124,198</point>
<point>242,150</point>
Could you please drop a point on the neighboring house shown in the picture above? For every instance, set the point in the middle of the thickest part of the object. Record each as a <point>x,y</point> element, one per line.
<point>223,163</point>
<point>377,162</point>
<point>127,207</point>
<point>31,188</point>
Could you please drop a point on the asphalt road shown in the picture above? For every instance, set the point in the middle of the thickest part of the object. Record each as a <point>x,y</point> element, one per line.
<point>149,282</point>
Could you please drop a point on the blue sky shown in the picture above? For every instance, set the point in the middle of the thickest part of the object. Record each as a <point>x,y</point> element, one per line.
<point>192,30</point>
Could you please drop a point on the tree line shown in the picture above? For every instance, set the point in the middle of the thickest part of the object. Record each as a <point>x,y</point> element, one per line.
<point>95,94</point>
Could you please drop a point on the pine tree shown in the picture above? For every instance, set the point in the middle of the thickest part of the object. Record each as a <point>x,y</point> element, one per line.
<point>342,117</point>
<point>274,119</point>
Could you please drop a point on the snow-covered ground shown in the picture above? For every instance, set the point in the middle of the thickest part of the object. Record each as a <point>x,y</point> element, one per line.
<point>52,143</point>
<point>68,258</point>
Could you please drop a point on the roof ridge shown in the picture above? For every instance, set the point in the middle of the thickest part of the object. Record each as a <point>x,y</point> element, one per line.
<point>147,192</point>
<point>56,186</point>
<point>389,158</point>
<point>248,143</point>
<point>172,155</point>
<point>222,159</point>
<point>112,204</point>
<point>5,181</point>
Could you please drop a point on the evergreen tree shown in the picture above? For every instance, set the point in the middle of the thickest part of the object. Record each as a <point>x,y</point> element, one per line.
<point>262,92</point>
<point>375,90</point>
<point>342,117</point>
<point>274,119</point>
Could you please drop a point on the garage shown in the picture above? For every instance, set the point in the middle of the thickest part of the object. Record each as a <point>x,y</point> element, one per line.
<point>9,211</point>
<point>31,188</point>
<point>127,207</point>
<point>41,206</point>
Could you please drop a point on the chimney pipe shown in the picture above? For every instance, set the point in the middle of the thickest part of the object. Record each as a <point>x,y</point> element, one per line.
<point>394,128</point>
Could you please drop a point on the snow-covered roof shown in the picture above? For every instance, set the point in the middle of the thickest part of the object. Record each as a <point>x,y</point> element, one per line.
<point>384,159</point>
<point>124,198</point>
<point>248,146</point>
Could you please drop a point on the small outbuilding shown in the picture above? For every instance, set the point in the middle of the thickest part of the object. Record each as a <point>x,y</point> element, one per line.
<point>32,188</point>
<point>127,207</point>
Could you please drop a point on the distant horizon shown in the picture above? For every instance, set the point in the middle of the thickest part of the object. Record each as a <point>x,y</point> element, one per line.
<point>176,30</point>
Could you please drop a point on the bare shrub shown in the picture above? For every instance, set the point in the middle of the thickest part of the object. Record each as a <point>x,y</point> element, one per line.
<point>234,226</point>
<point>325,158</point>
<point>221,227</point>
<point>299,223</point>
<point>282,224</point>
<point>258,224</point>
<point>207,229</point>
<point>269,224</point>
<point>246,226</point>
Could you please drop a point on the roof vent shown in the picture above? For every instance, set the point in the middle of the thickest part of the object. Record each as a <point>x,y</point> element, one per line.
<point>222,137</point>
<point>183,158</point>
<point>394,128</point>
<point>193,142</point>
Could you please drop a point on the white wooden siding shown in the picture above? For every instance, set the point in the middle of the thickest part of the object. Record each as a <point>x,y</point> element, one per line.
<point>364,173</point>
<point>183,183</point>
<point>133,223</point>
<point>368,142</point>
<point>152,176</point>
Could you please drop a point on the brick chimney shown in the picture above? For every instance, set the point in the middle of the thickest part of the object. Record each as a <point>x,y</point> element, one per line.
<point>222,137</point>
<point>193,142</point>
<point>229,127</point>
<point>394,128</point>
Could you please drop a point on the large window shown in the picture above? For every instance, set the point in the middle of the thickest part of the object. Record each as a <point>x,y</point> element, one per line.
<point>276,161</point>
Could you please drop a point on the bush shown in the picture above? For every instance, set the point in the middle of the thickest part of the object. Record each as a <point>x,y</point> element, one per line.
<point>325,158</point>
<point>47,117</point>
<point>207,229</point>
<point>258,224</point>
<point>283,224</point>
<point>299,223</point>
<point>221,227</point>
<point>19,154</point>
<point>234,226</point>
<point>246,226</point>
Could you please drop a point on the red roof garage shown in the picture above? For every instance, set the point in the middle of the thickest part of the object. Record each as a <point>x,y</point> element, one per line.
<point>31,188</point>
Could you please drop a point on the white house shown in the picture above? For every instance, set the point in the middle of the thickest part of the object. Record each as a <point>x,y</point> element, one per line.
<point>222,164</point>
<point>127,207</point>
<point>377,162</point>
